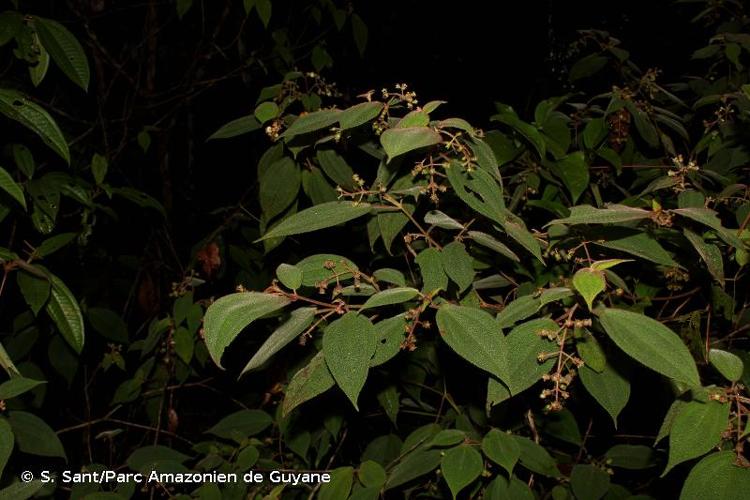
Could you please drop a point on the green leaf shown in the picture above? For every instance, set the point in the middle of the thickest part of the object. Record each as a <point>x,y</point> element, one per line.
<point>63,309</point>
<point>708,218</point>
<point>650,343</point>
<point>390,335</point>
<point>461,466</point>
<point>447,437</point>
<point>697,428</point>
<point>226,318</point>
<point>64,49</point>
<point>518,310</point>
<point>717,476</point>
<point>312,122</point>
<point>522,347</point>
<point>389,399</point>
<point>325,267</point>
<point>490,242</point>
<point>390,296</point>
<point>574,173</point>
<point>591,352</point>
<point>17,386</point>
<point>641,245</point>
<point>501,448</point>
<point>21,490</point>
<point>587,66</point>
<point>359,31</point>
<point>416,118</point>
<point>298,321</point>
<point>709,253</point>
<point>371,474</point>
<point>108,324</point>
<point>457,264</point>
<point>430,265</point>
<point>263,8</point>
<point>502,489</point>
<point>183,6</point>
<point>311,381</point>
<point>241,424</point>
<point>589,283</point>
<point>586,214</point>
<point>34,436</point>
<point>99,167</point>
<point>266,111</point>
<point>289,275</point>
<point>535,458</point>
<point>348,344</point>
<point>238,126</point>
<point>391,225</point>
<point>594,132</point>
<point>516,229</point>
<point>643,125</point>
<point>529,132</point>
<point>279,186</point>
<point>17,107</point>
<point>359,114</point>
<point>24,160</point>
<point>728,364</point>
<point>6,445</point>
<point>475,336</point>
<point>336,168</point>
<point>413,465</point>
<point>589,482</point>
<point>439,219</point>
<point>53,244</point>
<point>35,290</point>
<point>10,186</point>
<point>631,456</point>
<point>339,486</point>
<point>389,275</point>
<point>147,458</point>
<point>318,217</point>
<point>399,141</point>
<point>608,387</point>
<point>184,344</point>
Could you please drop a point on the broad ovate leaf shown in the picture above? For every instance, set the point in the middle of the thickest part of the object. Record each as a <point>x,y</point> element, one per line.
<point>63,309</point>
<point>501,448</point>
<point>348,344</point>
<point>391,296</point>
<point>311,381</point>
<point>461,466</point>
<point>359,114</point>
<point>586,214</point>
<point>650,343</point>
<point>64,49</point>
<point>11,187</point>
<point>318,217</point>
<point>589,283</point>
<point>289,275</point>
<point>226,318</point>
<point>475,336</point>
<point>608,387</point>
<point>239,126</point>
<point>728,364</point>
<point>18,107</point>
<point>696,429</point>
<point>298,321</point>
<point>717,476</point>
<point>399,141</point>
<point>312,122</point>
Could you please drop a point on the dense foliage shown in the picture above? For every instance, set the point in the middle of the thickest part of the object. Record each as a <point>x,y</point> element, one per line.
<point>552,306</point>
